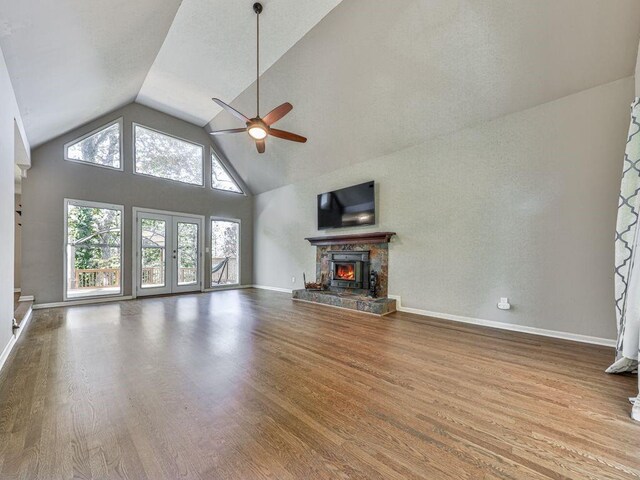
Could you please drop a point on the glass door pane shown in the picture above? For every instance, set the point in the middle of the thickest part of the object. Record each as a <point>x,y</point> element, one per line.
<point>225,252</point>
<point>93,253</point>
<point>153,255</point>
<point>168,255</point>
<point>187,252</point>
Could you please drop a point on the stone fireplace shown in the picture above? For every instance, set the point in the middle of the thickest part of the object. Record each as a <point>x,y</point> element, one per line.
<point>354,272</point>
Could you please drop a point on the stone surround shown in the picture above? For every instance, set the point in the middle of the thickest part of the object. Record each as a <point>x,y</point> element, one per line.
<point>377,244</point>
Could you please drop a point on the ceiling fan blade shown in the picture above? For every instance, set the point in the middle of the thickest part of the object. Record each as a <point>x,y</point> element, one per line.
<point>231,130</point>
<point>287,135</point>
<point>277,113</point>
<point>231,110</point>
<point>260,145</point>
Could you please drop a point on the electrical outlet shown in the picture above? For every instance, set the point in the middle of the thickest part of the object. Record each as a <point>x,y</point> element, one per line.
<point>293,279</point>
<point>504,304</point>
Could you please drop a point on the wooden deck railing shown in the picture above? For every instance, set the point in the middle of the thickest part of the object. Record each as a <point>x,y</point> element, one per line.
<point>97,278</point>
<point>110,277</point>
<point>230,274</point>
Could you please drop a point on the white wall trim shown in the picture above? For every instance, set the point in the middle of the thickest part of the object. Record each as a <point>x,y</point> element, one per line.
<point>17,290</point>
<point>14,338</point>
<point>26,298</point>
<point>87,301</point>
<point>506,326</point>
<point>274,289</point>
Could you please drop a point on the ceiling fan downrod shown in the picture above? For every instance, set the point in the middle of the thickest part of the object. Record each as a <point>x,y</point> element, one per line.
<point>257,7</point>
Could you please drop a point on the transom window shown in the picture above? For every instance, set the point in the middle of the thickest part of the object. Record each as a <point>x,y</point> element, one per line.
<point>220,177</point>
<point>101,147</point>
<point>160,155</point>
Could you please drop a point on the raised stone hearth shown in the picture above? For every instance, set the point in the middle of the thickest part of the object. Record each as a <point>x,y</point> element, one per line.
<point>377,306</point>
<point>348,266</point>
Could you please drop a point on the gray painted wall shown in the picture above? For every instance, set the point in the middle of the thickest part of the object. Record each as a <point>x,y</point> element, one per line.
<point>9,120</point>
<point>51,179</point>
<point>523,206</point>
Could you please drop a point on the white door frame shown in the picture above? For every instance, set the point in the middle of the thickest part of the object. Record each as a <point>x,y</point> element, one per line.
<point>239,222</point>
<point>135,250</point>
<point>175,220</point>
<point>91,204</point>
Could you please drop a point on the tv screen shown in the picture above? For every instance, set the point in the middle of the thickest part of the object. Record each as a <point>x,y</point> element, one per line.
<point>347,207</point>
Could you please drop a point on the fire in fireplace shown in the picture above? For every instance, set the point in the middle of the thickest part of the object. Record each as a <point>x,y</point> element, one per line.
<point>345,271</point>
<point>349,269</point>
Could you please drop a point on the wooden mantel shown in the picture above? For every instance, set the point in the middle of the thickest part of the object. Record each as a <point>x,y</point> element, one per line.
<point>376,237</point>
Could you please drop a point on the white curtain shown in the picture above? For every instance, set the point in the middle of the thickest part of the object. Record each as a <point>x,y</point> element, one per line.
<point>627,258</point>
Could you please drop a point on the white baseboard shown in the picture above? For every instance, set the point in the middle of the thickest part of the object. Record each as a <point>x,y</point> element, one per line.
<point>88,301</point>
<point>14,338</point>
<point>16,290</point>
<point>506,326</point>
<point>26,298</point>
<point>226,287</point>
<point>273,289</point>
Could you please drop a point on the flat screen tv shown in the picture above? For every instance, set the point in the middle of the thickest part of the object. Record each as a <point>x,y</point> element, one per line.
<point>347,207</point>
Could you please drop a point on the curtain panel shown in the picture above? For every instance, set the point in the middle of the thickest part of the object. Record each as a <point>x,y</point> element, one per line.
<point>627,258</point>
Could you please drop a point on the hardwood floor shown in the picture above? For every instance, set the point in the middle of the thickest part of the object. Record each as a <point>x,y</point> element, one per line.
<point>247,384</point>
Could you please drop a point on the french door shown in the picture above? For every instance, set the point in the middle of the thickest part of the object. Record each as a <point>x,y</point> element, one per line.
<point>168,253</point>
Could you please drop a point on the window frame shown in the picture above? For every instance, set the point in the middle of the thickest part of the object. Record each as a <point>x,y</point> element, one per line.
<point>91,204</point>
<point>225,219</point>
<point>224,167</point>
<point>120,122</point>
<point>179,182</point>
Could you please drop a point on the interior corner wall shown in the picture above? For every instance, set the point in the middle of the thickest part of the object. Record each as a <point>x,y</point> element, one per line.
<point>9,118</point>
<point>51,179</point>
<point>522,207</point>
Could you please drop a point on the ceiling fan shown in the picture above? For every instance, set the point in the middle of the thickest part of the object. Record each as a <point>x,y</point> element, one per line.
<point>259,128</point>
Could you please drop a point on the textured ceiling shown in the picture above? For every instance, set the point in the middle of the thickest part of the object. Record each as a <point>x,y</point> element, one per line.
<point>378,76</point>
<point>72,60</point>
<point>210,51</point>
<point>365,77</point>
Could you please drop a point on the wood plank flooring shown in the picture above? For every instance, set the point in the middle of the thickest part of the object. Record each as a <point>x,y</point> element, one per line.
<point>247,384</point>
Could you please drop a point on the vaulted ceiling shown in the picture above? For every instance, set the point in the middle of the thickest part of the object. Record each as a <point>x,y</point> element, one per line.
<point>365,77</point>
<point>71,61</point>
<point>378,76</point>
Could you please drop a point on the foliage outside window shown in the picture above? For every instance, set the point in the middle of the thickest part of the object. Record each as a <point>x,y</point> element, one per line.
<point>220,178</point>
<point>164,156</point>
<point>225,250</point>
<point>153,252</point>
<point>94,250</point>
<point>187,250</point>
<point>101,147</point>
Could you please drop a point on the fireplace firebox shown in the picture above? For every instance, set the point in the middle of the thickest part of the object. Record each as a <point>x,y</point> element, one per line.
<point>349,269</point>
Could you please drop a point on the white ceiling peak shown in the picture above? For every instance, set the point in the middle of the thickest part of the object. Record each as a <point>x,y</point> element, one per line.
<point>210,51</point>
<point>71,61</point>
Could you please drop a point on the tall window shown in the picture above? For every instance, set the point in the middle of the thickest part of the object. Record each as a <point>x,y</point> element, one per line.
<point>225,252</point>
<point>160,155</point>
<point>101,147</point>
<point>93,254</point>
<point>220,178</point>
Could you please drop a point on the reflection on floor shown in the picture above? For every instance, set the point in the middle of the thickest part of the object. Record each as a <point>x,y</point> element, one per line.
<point>92,292</point>
<point>247,384</point>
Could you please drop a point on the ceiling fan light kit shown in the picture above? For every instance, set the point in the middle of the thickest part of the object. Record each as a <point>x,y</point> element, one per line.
<point>260,128</point>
